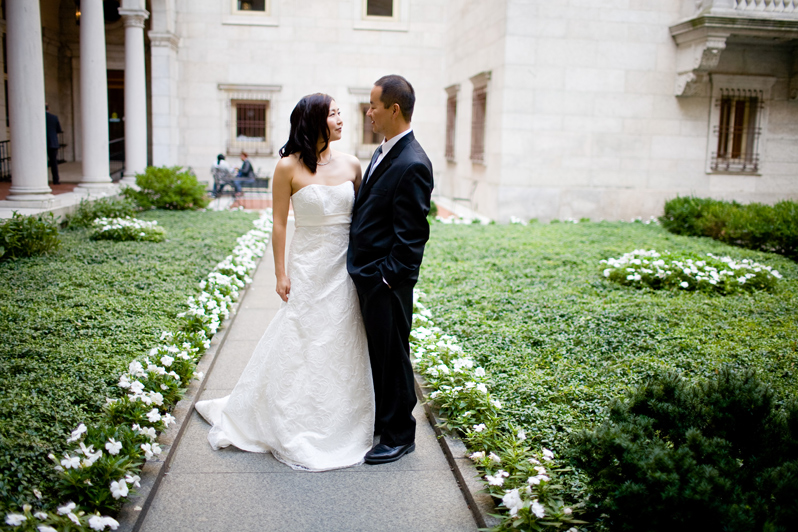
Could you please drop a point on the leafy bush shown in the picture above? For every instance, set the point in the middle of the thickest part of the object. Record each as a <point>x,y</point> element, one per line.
<point>433,210</point>
<point>710,274</point>
<point>720,455</point>
<point>88,211</point>
<point>168,188</point>
<point>754,226</point>
<point>125,229</point>
<point>26,236</point>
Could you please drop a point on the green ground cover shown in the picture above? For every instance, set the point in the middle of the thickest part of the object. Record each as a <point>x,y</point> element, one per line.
<point>70,322</point>
<point>558,340</point>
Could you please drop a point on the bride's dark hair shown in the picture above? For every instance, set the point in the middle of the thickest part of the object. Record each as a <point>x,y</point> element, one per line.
<point>308,125</point>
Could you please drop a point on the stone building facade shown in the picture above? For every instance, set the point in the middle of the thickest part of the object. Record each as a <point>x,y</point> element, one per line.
<point>529,108</point>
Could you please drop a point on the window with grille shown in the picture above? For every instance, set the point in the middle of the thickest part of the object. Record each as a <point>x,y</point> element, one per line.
<point>249,126</point>
<point>369,136</point>
<point>451,121</point>
<point>479,105</point>
<point>737,131</point>
<point>379,8</point>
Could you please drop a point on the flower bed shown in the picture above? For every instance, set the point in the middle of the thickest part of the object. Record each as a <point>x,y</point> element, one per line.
<point>127,228</point>
<point>97,469</point>
<point>558,343</point>
<point>676,272</point>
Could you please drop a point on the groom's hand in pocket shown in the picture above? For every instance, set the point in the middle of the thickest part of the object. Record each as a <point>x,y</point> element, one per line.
<point>283,288</point>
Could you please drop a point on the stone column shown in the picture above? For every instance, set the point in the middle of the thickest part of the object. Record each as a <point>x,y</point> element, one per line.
<point>26,106</point>
<point>163,51</point>
<point>134,15</point>
<point>94,100</point>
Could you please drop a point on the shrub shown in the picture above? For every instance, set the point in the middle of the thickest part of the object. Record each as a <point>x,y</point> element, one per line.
<point>718,455</point>
<point>433,210</point>
<point>26,236</point>
<point>168,188</point>
<point>125,229</point>
<point>88,211</point>
<point>710,274</point>
<point>755,226</point>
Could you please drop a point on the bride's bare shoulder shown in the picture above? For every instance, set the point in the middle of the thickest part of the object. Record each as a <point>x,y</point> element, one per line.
<point>288,163</point>
<point>349,159</point>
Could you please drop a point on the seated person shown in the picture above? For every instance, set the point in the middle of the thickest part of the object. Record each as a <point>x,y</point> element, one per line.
<point>218,186</point>
<point>246,174</point>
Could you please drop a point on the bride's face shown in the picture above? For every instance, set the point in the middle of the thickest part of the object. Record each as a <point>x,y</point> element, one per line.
<point>335,123</point>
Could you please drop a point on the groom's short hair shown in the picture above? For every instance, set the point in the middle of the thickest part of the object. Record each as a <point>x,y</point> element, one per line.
<point>396,89</point>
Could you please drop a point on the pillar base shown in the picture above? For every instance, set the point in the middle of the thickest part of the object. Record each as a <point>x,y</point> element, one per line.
<point>128,180</point>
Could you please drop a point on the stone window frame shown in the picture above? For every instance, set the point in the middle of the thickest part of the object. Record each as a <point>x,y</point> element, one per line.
<point>740,87</point>
<point>451,121</point>
<point>361,96</point>
<point>242,17</point>
<point>400,21</point>
<point>479,116</point>
<point>255,94</point>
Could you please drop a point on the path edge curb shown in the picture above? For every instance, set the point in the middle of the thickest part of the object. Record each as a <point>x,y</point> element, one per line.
<point>465,472</point>
<point>133,512</point>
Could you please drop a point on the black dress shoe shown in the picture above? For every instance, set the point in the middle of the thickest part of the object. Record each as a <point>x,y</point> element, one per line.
<point>383,454</point>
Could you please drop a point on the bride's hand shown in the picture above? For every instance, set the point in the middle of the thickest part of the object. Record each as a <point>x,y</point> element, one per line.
<point>283,288</point>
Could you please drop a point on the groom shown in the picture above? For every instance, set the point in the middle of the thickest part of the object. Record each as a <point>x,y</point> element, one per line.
<point>386,243</point>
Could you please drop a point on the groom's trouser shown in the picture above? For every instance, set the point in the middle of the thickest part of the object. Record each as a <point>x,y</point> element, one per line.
<point>388,317</point>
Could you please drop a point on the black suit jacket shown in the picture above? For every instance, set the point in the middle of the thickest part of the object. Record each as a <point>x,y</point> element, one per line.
<point>389,220</point>
<point>53,128</point>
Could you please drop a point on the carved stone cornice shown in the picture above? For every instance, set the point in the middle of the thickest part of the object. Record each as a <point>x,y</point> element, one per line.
<point>164,39</point>
<point>702,39</point>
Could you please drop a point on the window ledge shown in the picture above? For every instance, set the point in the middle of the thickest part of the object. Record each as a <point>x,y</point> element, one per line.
<point>250,20</point>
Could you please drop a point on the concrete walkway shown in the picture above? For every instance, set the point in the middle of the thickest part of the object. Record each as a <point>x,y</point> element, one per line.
<point>206,490</point>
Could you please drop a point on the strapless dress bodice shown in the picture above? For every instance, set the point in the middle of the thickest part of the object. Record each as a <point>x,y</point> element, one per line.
<point>318,205</point>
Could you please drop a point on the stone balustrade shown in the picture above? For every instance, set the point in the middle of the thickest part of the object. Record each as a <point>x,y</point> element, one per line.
<point>766,6</point>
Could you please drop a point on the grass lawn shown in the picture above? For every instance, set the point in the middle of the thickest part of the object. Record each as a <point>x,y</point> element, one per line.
<point>530,304</point>
<point>70,323</point>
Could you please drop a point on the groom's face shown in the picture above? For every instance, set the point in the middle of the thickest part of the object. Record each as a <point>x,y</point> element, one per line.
<point>380,116</point>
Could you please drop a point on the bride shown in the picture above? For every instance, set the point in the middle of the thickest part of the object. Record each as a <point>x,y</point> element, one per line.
<point>306,394</point>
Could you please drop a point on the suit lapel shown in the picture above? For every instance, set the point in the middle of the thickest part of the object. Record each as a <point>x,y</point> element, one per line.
<point>384,165</point>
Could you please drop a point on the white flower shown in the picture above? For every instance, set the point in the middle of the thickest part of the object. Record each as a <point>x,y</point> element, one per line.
<point>496,403</point>
<point>113,447</point>
<point>74,518</point>
<point>40,515</point>
<point>547,455</point>
<point>70,462</point>
<point>495,458</point>
<point>541,470</point>
<point>684,284</point>
<point>480,427</point>
<point>567,511</point>
<point>521,435</point>
<point>15,519</point>
<point>482,388</point>
<point>124,382</point>
<point>167,419</point>
<point>147,448</point>
<point>45,528</point>
<point>136,387</point>
<point>67,508</point>
<point>479,455</point>
<point>133,479</point>
<point>498,478</point>
<point>38,494</point>
<point>77,433</point>
<point>538,509</point>
<point>166,360</point>
<point>118,489</point>
<point>97,522</point>
<point>512,500</point>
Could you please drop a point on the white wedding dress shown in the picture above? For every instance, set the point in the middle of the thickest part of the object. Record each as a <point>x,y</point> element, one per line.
<point>306,394</point>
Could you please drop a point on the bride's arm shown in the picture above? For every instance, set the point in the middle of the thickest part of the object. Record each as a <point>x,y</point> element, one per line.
<point>281,197</point>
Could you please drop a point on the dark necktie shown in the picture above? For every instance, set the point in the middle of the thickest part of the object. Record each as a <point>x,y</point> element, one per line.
<point>374,158</point>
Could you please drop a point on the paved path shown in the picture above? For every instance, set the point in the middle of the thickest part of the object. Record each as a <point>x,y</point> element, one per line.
<point>206,490</point>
